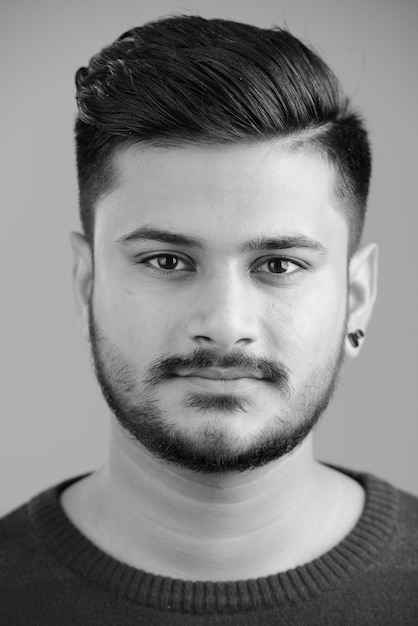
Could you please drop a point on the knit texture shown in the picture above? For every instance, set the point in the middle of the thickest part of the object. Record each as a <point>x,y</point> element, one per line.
<point>50,574</point>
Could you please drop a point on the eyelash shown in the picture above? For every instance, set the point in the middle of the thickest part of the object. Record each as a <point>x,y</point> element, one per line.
<point>146,261</point>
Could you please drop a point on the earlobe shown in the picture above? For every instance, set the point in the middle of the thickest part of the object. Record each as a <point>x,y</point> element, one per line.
<point>82,278</point>
<point>362,291</point>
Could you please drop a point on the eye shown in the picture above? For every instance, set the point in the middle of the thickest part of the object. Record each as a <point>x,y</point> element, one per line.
<point>165,263</point>
<point>278,265</point>
<point>281,266</point>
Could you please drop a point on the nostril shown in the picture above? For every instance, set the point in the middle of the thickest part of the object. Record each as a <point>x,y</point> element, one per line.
<point>245,341</point>
<point>204,339</point>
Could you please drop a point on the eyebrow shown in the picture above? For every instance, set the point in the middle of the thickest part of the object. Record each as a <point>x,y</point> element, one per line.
<point>164,236</point>
<point>147,233</point>
<point>283,243</point>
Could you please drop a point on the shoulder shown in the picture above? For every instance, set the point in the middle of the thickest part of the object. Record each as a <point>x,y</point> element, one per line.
<point>408,506</point>
<point>395,516</point>
<point>389,522</point>
<point>23,560</point>
<point>23,554</point>
<point>406,509</point>
<point>406,535</point>
<point>15,534</point>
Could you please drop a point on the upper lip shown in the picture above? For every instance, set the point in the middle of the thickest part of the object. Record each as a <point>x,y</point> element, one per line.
<point>219,373</point>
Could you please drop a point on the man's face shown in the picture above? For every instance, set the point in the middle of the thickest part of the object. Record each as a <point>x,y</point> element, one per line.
<point>219,304</point>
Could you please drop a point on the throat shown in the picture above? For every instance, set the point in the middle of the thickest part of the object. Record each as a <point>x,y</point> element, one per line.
<point>188,528</point>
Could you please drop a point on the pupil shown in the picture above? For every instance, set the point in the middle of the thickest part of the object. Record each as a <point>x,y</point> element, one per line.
<point>167,262</point>
<point>276,266</point>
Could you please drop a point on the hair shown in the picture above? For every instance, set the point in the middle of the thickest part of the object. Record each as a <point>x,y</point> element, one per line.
<point>185,80</point>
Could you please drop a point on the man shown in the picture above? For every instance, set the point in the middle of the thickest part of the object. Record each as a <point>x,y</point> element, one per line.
<point>221,282</point>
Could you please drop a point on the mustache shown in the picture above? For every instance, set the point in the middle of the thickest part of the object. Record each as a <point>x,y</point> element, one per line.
<point>271,371</point>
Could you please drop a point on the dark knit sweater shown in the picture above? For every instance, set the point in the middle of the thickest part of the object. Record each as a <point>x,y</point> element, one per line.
<point>51,575</point>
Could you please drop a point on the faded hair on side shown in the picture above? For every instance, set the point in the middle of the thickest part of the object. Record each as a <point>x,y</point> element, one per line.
<point>186,80</point>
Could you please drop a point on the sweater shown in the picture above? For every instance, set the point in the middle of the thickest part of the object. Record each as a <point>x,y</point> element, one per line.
<point>52,575</point>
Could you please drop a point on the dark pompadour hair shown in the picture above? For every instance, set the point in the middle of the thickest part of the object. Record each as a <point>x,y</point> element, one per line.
<point>186,80</point>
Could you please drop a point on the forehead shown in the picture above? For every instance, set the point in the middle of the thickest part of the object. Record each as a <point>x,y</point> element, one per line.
<point>222,194</point>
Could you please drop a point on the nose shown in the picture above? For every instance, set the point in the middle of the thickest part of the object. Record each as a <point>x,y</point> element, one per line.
<point>223,316</point>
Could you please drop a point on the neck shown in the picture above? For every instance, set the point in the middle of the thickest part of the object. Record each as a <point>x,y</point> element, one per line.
<point>177,523</point>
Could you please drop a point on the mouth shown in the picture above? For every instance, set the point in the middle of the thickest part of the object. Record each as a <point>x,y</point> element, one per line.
<point>221,381</point>
<point>220,374</point>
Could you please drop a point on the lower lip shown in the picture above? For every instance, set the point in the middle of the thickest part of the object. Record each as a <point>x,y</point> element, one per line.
<point>222,385</point>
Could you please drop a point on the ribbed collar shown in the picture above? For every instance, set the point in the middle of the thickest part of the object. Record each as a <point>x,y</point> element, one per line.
<point>356,552</point>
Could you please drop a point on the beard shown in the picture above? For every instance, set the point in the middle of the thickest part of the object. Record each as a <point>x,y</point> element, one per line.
<point>210,448</point>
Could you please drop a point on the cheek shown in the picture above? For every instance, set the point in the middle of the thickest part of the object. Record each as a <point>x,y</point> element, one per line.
<point>323,326</point>
<point>306,325</point>
<point>138,325</point>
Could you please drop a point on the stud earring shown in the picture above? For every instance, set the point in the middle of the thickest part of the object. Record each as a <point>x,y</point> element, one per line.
<point>355,337</point>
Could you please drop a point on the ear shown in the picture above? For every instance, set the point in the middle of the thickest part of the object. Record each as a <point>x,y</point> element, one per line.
<point>362,291</point>
<point>82,279</point>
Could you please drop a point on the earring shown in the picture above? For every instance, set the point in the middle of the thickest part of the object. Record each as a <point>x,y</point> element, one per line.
<point>355,337</point>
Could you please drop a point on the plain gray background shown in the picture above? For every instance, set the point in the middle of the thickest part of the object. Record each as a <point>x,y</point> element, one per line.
<point>53,420</point>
